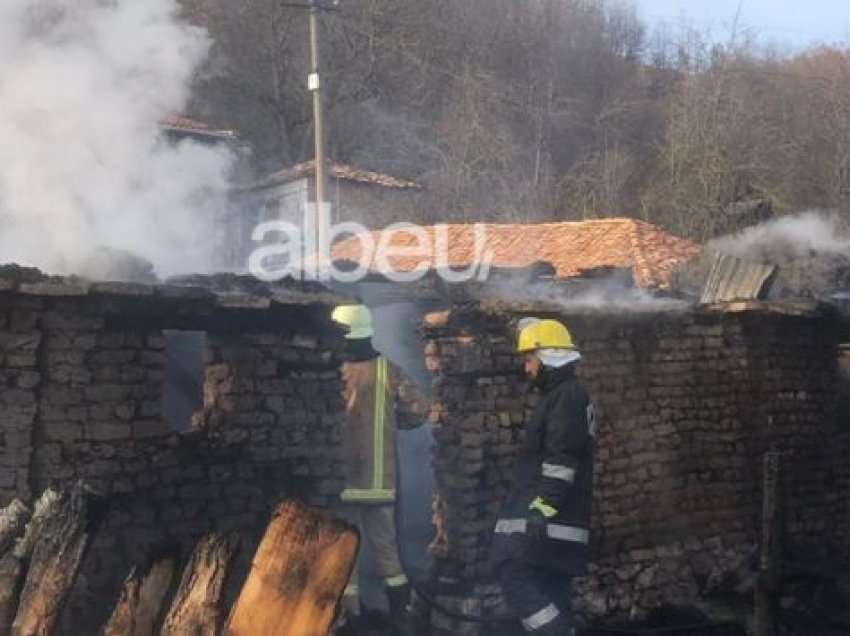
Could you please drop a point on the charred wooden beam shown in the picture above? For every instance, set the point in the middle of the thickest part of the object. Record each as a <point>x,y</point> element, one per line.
<point>298,575</point>
<point>14,562</point>
<point>197,609</point>
<point>56,559</point>
<point>143,599</point>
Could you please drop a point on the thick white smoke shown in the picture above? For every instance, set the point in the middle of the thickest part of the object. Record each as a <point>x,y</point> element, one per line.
<point>83,85</point>
<point>603,295</point>
<point>788,237</point>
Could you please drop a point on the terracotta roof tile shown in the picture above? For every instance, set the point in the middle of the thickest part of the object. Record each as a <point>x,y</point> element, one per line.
<point>337,171</point>
<point>571,247</point>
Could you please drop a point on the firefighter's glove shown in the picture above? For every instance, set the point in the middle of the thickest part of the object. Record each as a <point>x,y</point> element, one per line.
<point>539,513</point>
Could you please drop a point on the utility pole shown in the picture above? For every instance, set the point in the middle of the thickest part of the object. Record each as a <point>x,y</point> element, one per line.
<point>317,229</point>
<point>315,82</point>
<point>315,85</point>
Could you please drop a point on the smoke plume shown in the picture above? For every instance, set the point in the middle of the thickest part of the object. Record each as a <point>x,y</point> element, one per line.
<point>788,237</point>
<point>83,165</point>
<point>610,294</point>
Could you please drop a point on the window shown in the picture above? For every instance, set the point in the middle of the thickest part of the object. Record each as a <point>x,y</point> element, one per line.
<point>184,377</point>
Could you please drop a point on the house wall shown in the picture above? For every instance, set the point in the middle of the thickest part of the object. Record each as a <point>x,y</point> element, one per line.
<point>249,208</point>
<point>373,206</point>
<point>81,386</point>
<point>686,405</point>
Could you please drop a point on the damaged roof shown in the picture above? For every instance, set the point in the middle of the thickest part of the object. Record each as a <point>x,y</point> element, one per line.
<point>185,125</point>
<point>225,291</point>
<point>340,171</point>
<point>573,248</point>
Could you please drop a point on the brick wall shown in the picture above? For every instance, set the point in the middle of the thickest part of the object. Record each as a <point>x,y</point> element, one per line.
<point>81,387</point>
<point>687,403</point>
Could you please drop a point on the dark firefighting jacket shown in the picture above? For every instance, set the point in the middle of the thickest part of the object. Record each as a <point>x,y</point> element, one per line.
<point>555,464</point>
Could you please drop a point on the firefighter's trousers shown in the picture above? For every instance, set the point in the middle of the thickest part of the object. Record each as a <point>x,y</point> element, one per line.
<point>376,523</point>
<point>539,597</point>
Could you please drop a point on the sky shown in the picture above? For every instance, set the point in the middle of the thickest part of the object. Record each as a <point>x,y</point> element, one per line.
<point>796,24</point>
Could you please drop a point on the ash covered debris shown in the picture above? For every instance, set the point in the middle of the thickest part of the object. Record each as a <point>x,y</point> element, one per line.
<point>197,302</point>
<point>106,263</point>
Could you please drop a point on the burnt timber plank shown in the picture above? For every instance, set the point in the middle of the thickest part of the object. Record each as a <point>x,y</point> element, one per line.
<point>13,563</point>
<point>298,575</point>
<point>197,606</point>
<point>56,559</point>
<point>142,600</point>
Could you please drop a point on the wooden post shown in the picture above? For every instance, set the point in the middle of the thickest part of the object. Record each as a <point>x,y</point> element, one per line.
<point>767,583</point>
<point>298,575</point>
<point>196,609</point>
<point>142,600</point>
<point>55,562</point>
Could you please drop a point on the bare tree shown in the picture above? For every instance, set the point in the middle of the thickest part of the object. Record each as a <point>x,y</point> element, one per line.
<point>539,110</point>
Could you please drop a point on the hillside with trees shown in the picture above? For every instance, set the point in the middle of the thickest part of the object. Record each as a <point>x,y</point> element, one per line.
<point>540,109</point>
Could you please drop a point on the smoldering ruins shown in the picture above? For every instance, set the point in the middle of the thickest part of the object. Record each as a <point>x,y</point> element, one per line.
<point>170,451</point>
<point>84,371</point>
<point>693,401</point>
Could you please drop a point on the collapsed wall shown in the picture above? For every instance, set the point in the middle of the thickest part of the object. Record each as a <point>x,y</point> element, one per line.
<point>82,373</point>
<point>687,403</point>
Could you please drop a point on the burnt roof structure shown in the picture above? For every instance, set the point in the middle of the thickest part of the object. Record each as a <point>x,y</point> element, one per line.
<point>185,126</point>
<point>220,301</point>
<point>340,171</point>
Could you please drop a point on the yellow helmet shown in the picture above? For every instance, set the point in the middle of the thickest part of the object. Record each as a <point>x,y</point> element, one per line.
<point>545,334</point>
<point>357,318</point>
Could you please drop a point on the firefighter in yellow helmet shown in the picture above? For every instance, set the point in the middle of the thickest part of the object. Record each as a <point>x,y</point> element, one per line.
<point>378,398</point>
<point>542,533</point>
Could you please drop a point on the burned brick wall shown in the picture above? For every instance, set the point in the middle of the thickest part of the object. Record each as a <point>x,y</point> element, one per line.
<point>686,403</point>
<point>82,372</point>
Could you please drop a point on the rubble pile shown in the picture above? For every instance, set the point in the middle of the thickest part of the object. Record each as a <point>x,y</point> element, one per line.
<point>686,404</point>
<point>297,574</point>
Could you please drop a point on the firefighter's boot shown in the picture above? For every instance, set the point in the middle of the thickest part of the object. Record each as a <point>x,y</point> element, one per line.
<point>399,600</point>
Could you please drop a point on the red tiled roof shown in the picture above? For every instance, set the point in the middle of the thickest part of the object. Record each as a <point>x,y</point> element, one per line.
<point>337,171</point>
<point>178,123</point>
<point>571,247</point>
